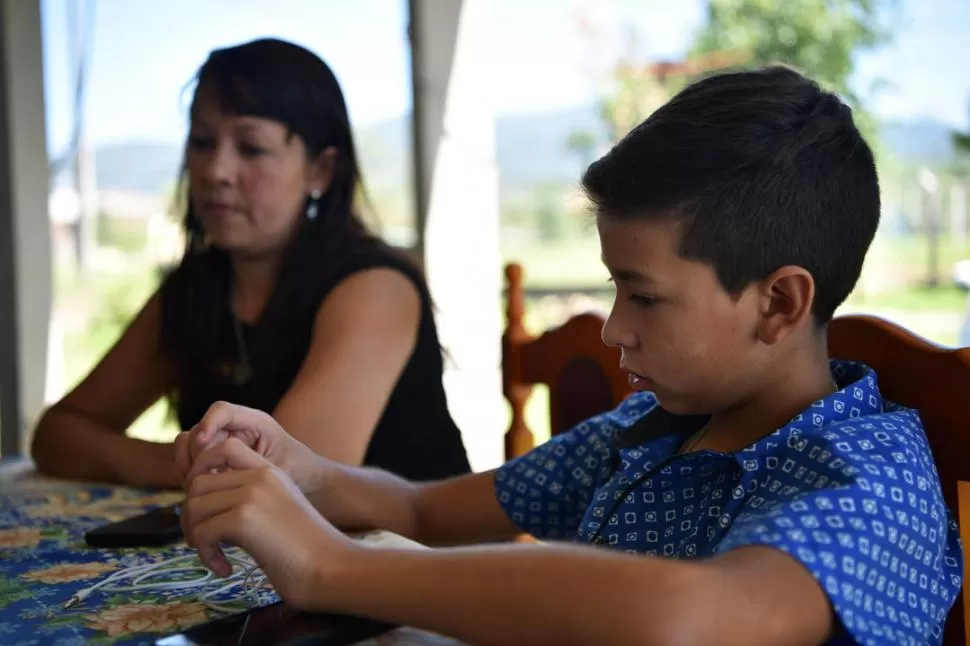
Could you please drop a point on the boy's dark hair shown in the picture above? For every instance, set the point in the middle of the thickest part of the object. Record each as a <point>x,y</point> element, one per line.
<point>763,168</point>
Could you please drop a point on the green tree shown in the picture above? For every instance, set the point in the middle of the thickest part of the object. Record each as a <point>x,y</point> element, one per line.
<point>551,216</point>
<point>818,37</point>
<point>635,92</point>
<point>583,143</point>
<point>961,142</point>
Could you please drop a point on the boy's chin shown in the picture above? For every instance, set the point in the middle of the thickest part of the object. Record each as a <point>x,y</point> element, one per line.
<point>679,405</point>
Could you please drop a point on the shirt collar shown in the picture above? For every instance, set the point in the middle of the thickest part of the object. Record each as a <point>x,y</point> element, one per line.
<point>857,396</point>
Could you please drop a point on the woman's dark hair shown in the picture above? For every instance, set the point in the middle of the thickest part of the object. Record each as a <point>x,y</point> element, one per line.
<point>283,82</point>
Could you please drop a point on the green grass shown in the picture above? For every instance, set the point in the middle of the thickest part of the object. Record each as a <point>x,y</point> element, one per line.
<point>912,253</point>
<point>127,234</point>
<point>572,263</point>
<point>577,262</point>
<point>916,298</point>
<point>107,300</point>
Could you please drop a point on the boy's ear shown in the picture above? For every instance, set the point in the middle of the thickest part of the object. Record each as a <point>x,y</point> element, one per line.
<point>786,298</point>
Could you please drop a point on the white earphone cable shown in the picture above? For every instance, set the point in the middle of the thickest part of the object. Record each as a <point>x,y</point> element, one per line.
<point>174,570</point>
<point>246,574</point>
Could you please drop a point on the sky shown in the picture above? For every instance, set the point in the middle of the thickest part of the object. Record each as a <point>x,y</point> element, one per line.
<point>146,51</point>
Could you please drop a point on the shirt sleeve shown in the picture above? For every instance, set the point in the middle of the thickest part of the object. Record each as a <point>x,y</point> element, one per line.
<point>546,491</point>
<point>879,541</point>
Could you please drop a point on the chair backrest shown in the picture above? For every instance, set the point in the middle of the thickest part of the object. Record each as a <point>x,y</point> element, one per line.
<point>936,382</point>
<point>582,373</point>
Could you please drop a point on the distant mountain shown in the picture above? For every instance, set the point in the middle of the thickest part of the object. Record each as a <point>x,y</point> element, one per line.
<point>531,150</point>
<point>141,167</point>
<point>920,142</point>
<point>385,152</point>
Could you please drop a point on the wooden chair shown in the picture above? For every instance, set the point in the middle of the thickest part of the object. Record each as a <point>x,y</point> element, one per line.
<point>935,381</point>
<point>582,373</point>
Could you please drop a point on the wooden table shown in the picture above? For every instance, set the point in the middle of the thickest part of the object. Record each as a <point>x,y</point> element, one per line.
<point>44,561</point>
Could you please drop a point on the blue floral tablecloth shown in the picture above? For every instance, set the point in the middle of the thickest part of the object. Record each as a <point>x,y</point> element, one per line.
<point>44,561</point>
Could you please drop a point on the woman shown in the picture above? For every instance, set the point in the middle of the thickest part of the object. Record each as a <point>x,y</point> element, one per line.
<point>282,301</point>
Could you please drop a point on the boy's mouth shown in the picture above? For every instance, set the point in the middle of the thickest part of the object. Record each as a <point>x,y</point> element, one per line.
<point>638,381</point>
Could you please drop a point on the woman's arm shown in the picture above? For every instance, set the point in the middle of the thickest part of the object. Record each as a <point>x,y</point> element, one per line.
<point>364,334</point>
<point>83,435</point>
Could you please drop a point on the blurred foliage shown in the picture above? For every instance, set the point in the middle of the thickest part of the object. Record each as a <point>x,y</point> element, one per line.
<point>818,37</point>
<point>583,144</point>
<point>127,234</point>
<point>548,212</point>
<point>961,142</point>
<point>633,93</point>
<point>96,309</point>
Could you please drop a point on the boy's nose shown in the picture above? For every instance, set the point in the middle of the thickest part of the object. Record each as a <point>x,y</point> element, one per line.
<point>615,335</point>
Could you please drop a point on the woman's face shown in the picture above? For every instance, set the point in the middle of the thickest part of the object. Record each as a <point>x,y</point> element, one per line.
<point>249,179</point>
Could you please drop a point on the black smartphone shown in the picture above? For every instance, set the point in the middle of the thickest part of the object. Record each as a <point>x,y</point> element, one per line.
<point>151,529</point>
<point>278,625</point>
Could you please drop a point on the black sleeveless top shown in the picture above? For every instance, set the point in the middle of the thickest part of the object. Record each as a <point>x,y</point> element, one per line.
<point>415,436</point>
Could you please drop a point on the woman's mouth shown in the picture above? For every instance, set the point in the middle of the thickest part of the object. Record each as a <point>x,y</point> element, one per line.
<point>217,209</point>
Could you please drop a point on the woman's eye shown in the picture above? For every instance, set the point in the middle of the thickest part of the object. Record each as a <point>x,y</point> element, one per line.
<point>200,143</point>
<point>251,151</point>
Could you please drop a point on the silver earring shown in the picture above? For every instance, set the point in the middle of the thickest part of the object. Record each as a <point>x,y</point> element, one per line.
<point>311,207</point>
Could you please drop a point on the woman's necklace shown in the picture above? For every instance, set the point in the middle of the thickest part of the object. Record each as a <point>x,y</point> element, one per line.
<point>242,372</point>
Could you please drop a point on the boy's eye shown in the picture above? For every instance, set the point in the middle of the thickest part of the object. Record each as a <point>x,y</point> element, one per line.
<point>641,300</point>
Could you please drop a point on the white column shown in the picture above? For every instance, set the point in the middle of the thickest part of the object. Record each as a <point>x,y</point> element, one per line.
<point>457,191</point>
<point>25,252</point>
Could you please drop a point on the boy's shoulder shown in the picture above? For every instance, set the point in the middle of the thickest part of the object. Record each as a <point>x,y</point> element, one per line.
<point>853,433</point>
<point>888,447</point>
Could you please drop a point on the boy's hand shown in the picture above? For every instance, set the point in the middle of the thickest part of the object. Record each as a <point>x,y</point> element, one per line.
<point>257,431</point>
<point>248,506</point>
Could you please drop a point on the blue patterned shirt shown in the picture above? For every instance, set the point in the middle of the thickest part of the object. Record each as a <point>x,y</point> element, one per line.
<point>848,488</point>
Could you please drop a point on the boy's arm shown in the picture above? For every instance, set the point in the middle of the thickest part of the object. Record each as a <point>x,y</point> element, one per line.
<point>453,511</point>
<point>544,493</point>
<point>512,594</point>
<point>457,510</point>
<point>569,594</point>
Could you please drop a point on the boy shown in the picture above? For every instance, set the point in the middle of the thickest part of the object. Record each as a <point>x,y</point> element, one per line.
<point>751,492</point>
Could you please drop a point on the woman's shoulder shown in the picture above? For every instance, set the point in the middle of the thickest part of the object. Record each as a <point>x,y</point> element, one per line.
<point>373,253</point>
